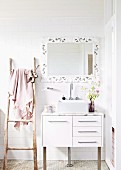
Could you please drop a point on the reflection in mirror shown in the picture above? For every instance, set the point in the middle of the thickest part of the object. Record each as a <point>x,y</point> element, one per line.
<point>69,59</point>
<point>90,64</point>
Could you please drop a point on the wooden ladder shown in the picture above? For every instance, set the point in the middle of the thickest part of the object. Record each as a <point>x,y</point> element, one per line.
<point>7,120</point>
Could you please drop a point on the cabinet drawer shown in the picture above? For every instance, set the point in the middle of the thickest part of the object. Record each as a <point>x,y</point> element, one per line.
<point>87,142</point>
<point>57,131</point>
<point>86,120</point>
<point>87,131</point>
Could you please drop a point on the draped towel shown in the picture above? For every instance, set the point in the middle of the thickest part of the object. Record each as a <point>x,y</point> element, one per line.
<point>21,93</point>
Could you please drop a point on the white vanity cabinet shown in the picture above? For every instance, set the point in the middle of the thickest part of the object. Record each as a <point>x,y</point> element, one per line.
<point>72,130</point>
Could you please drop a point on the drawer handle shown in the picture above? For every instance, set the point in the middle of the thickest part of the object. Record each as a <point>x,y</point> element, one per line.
<point>87,142</point>
<point>87,131</point>
<point>87,121</point>
<point>52,121</point>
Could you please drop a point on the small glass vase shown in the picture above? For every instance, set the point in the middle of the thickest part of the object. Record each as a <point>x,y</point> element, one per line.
<point>91,106</point>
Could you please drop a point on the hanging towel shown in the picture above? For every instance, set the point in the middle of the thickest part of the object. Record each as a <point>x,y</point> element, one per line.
<point>21,93</point>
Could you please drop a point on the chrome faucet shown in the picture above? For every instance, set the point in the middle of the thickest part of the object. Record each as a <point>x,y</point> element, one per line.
<point>71,88</point>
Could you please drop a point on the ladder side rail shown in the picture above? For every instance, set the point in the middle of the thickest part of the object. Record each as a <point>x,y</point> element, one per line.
<point>34,121</point>
<point>6,125</point>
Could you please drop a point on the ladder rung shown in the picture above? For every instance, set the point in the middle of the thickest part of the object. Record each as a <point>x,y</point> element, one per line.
<point>10,148</point>
<point>20,120</point>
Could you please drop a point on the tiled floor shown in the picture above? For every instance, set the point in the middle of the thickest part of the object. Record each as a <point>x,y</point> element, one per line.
<point>55,165</point>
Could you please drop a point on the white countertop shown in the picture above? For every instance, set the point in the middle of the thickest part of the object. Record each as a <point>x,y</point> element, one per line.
<point>72,114</point>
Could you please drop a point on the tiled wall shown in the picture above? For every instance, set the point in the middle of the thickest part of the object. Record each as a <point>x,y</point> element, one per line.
<point>22,26</point>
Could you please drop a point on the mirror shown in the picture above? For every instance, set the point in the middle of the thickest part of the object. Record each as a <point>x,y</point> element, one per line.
<point>66,59</point>
<point>69,59</point>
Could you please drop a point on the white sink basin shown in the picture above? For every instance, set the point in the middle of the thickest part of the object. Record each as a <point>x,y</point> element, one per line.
<point>72,106</point>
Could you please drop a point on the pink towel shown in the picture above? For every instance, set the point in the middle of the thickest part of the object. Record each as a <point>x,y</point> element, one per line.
<point>21,93</point>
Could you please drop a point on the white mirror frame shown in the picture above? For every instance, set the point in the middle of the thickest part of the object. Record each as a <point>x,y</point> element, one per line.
<point>69,78</point>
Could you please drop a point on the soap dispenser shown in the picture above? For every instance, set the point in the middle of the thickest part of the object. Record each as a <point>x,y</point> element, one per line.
<point>63,98</point>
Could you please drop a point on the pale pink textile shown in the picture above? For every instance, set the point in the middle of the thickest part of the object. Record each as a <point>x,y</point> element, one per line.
<point>21,93</point>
